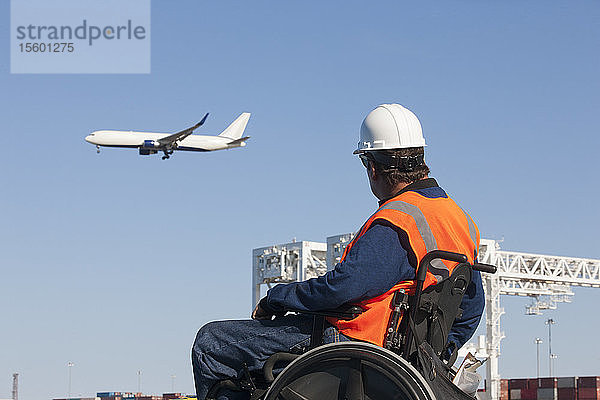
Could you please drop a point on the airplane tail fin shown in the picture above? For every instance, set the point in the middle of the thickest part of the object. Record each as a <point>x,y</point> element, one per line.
<point>237,127</point>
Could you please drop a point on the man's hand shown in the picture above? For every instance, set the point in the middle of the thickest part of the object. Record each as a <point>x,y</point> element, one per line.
<point>263,311</point>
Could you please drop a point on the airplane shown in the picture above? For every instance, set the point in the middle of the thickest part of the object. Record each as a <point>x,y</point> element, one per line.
<point>151,143</point>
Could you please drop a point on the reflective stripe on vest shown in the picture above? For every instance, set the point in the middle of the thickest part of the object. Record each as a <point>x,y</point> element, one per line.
<point>438,268</point>
<point>455,231</point>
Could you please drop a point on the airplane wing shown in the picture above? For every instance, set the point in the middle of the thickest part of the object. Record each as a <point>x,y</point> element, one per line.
<point>181,135</point>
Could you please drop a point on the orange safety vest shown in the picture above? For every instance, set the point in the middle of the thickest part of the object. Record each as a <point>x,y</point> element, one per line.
<point>431,224</point>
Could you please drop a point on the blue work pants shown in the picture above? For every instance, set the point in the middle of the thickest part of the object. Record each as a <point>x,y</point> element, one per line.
<point>221,347</point>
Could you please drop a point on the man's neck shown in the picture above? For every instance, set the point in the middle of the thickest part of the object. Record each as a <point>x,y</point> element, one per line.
<point>396,189</point>
<point>403,187</point>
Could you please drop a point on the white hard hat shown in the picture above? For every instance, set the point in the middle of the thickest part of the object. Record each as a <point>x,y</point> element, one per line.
<point>390,126</point>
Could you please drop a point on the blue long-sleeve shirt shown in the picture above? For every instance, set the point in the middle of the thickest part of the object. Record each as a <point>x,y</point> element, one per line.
<point>375,263</point>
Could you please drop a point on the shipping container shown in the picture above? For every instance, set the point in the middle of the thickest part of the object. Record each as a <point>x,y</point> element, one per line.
<point>517,384</point>
<point>503,389</point>
<point>567,382</point>
<point>586,393</point>
<point>529,394</point>
<point>523,383</point>
<point>567,393</point>
<point>515,394</point>
<point>547,393</point>
<point>532,383</point>
<point>589,381</point>
<point>547,382</point>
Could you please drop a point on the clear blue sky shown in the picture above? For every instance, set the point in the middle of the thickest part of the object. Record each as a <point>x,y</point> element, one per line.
<point>113,261</point>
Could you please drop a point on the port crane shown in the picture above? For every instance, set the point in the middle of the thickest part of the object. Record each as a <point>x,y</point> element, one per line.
<point>546,279</point>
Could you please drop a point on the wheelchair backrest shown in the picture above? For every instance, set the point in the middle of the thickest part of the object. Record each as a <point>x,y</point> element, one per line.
<point>439,306</point>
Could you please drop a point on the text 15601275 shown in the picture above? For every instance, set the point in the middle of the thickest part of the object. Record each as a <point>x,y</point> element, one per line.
<point>46,47</point>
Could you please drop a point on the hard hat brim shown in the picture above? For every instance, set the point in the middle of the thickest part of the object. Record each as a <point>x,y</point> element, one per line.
<point>360,151</point>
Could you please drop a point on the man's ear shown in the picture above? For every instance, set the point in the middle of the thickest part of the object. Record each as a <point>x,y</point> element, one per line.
<point>372,172</point>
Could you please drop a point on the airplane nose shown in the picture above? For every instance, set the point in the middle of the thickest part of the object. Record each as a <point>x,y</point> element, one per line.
<point>88,139</point>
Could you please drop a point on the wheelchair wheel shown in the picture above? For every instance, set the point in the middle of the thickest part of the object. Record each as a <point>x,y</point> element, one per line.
<point>349,371</point>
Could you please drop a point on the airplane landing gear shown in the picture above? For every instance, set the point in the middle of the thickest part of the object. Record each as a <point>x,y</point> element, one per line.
<point>97,149</point>
<point>167,154</point>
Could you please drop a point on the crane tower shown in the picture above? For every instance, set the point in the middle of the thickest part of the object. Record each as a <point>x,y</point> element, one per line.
<point>547,280</point>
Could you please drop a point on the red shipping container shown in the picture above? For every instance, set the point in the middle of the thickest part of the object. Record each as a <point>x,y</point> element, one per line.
<point>567,393</point>
<point>547,382</point>
<point>528,394</point>
<point>532,383</point>
<point>589,381</point>
<point>584,393</point>
<point>518,384</point>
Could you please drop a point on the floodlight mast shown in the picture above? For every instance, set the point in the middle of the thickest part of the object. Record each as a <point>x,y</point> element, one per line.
<point>69,366</point>
<point>538,341</point>
<point>15,387</point>
<point>546,279</point>
<point>551,355</point>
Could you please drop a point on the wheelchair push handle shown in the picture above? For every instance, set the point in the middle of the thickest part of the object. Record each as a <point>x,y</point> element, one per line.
<point>441,254</point>
<point>490,269</point>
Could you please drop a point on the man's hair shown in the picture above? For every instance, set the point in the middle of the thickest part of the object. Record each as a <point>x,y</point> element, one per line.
<point>394,176</point>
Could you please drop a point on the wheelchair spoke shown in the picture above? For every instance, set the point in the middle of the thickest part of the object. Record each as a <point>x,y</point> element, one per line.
<point>352,385</point>
<point>289,394</point>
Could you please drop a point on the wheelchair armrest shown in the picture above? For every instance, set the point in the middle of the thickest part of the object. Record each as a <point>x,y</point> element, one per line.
<point>345,312</point>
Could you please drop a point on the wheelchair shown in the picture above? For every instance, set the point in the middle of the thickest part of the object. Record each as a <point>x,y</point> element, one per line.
<point>414,364</point>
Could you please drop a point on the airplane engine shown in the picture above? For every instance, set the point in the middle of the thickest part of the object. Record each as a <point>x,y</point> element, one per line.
<point>146,152</point>
<point>150,145</point>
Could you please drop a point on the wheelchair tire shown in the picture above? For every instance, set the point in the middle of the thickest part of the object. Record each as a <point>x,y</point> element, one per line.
<point>349,371</point>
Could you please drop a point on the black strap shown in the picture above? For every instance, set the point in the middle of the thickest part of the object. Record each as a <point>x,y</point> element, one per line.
<point>317,331</point>
<point>412,338</point>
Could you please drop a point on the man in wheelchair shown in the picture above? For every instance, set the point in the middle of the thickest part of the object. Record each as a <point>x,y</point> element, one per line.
<point>379,324</point>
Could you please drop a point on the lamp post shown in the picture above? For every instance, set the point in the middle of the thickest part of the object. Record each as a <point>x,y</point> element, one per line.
<point>173,383</point>
<point>69,365</point>
<point>538,341</point>
<point>552,358</point>
<point>551,355</point>
<point>139,374</point>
